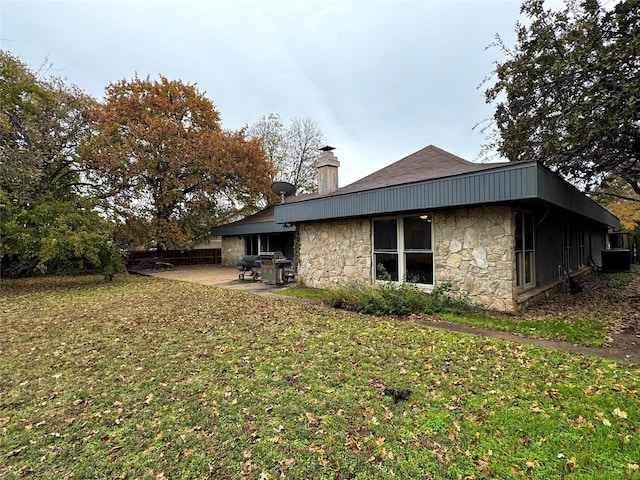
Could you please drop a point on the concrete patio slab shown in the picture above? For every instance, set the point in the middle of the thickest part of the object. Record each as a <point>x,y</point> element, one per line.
<point>214,275</point>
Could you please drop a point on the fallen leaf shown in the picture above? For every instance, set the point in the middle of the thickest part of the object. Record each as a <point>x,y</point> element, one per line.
<point>378,442</point>
<point>572,464</point>
<point>516,471</point>
<point>287,463</point>
<point>619,413</point>
<point>16,452</point>
<point>354,445</point>
<point>247,467</point>
<point>532,463</point>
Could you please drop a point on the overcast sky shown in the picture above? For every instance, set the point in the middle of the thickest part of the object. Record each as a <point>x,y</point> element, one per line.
<point>381,78</point>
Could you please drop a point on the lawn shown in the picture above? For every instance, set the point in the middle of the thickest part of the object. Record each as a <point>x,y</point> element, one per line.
<point>148,378</point>
<point>583,319</point>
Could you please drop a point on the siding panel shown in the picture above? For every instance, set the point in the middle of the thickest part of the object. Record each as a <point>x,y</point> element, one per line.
<point>515,182</point>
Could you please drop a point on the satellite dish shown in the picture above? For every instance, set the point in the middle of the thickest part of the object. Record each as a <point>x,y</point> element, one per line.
<point>284,189</point>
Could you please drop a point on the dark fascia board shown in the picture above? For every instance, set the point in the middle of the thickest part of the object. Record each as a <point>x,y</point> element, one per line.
<point>513,182</point>
<point>251,229</point>
<point>554,190</point>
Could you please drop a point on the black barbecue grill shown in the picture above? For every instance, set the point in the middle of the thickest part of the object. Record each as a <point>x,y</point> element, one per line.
<point>250,264</point>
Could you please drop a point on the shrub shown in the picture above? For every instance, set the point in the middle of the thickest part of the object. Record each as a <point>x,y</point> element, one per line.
<point>389,298</point>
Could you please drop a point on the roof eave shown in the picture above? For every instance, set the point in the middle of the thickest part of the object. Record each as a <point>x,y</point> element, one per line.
<point>513,182</point>
<point>251,229</point>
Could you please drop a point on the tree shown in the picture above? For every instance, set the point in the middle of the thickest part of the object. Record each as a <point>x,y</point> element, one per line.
<point>625,204</point>
<point>293,150</point>
<point>43,123</point>
<point>567,93</point>
<point>47,220</point>
<point>160,153</point>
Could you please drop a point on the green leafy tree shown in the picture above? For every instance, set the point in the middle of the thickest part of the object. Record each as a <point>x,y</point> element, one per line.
<point>57,235</point>
<point>47,219</point>
<point>567,94</point>
<point>170,169</point>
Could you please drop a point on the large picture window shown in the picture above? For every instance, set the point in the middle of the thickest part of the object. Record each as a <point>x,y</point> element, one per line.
<point>402,249</point>
<point>269,242</point>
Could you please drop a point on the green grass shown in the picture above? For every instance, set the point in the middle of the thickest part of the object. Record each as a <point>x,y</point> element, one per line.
<point>583,331</point>
<point>303,292</point>
<point>579,328</point>
<point>619,280</point>
<point>145,378</point>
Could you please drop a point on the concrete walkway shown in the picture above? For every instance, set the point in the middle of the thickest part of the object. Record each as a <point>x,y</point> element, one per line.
<point>214,275</point>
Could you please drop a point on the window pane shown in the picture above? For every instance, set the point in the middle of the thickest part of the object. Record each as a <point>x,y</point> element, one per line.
<point>528,231</point>
<point>386,266</point>
<point>518,231</point>
<point>251,245</point>
<point>518,268</point>
<point>417,233</point>
<point>528,268</point>
<point>419,267</point>
<point>384,235</point>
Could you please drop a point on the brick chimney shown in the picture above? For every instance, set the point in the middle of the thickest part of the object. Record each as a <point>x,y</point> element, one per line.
<point>327,165</point>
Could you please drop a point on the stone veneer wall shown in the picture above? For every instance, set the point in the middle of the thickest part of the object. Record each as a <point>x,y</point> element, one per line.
<point>335,253</point>
<point>473,250</point>
<point>232,250</point>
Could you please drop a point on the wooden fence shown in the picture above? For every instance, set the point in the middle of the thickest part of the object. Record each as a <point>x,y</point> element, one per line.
<point>205,256</point>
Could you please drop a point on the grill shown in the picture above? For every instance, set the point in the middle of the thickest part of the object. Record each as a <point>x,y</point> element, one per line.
<point>275,268</point>
<point>269,267</point>
<point>250,264</point>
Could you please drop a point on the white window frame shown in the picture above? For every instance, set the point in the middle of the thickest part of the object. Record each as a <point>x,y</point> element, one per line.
<point>400,250</point>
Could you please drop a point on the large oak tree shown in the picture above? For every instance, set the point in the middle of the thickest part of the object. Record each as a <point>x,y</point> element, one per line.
<point>169,167</point>
<point>567,94</point>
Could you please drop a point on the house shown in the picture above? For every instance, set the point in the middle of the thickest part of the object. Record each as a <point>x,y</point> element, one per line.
<point>253,235</point>
<point>498,233</point>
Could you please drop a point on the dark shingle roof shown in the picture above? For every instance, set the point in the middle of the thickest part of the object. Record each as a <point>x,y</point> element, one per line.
<point>426,164</point>
<point>266,215</point>
<point>261,222</point>
<point>429,163</point>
